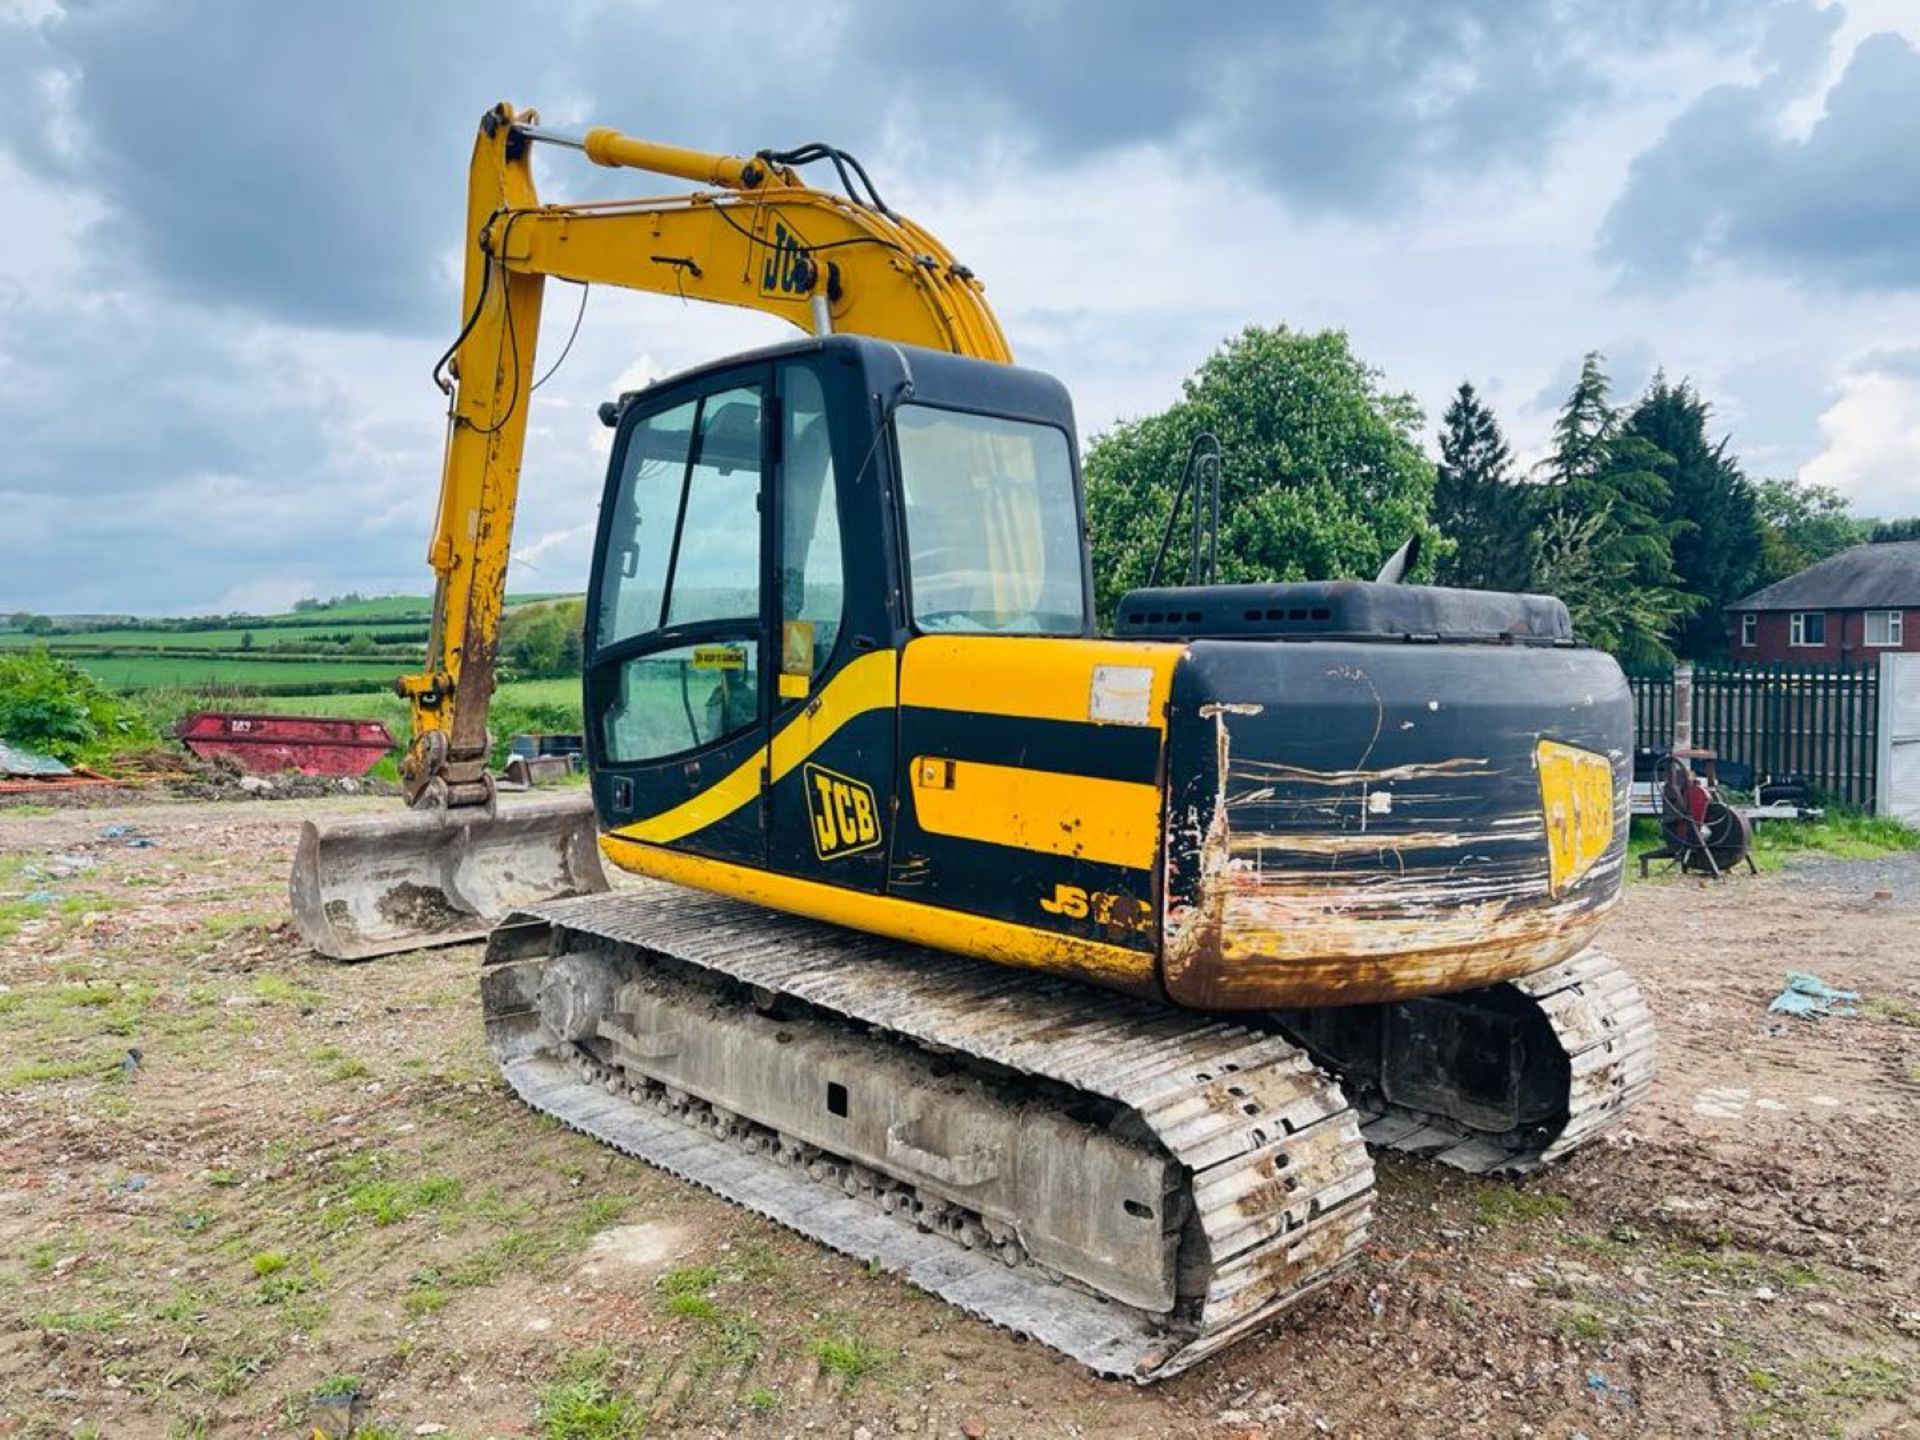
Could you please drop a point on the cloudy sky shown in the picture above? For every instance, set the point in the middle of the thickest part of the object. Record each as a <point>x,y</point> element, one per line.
<point>230,247</point>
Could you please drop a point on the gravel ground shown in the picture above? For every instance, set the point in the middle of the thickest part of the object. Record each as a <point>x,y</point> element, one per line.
<point>308,1180</point>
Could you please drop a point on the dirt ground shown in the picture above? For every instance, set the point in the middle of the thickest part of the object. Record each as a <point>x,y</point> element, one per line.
<point>238,1184</point>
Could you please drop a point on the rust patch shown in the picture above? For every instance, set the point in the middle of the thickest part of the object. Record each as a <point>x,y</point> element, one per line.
<point>1193,933</point>
<point>1317,929</point>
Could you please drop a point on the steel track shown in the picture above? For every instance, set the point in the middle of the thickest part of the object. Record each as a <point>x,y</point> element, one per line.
<point>1605,1029</point>
<point>1278,1177</point>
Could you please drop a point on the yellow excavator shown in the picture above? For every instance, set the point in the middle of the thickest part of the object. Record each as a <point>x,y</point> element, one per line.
<point>1272,874</point>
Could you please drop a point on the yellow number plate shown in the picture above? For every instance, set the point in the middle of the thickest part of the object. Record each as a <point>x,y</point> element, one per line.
<point>1576,797</point>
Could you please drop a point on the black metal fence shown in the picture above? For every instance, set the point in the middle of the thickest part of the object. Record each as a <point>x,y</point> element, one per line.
<point>1815,721</point>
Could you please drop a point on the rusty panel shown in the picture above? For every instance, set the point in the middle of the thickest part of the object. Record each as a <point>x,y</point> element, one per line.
<point>1368,823</point>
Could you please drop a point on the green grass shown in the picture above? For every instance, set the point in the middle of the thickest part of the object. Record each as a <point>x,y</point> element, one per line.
<point>1845,836</point>
<point>387,1202</point>
<point>339,1064</point>
<point>220,926</point>
<point>688,1280</point>
<point>210,665</point>
<point>1863,1377</point>
<point>582,1403</point>
<point>1580,1323</point>
<point>80,1322</point>
<point>848,1356</point>
<point>1501,1204</point>
<point>693,1307</point>
<point>148,672</point>
<point>1841,834</point>
<point>1730,1266</point>
<point>1892,1009</point>
<point>213,637</point>
<point>37,1072</point>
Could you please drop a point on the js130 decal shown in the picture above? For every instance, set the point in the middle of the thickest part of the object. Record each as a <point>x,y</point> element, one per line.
<point>1118,912</point>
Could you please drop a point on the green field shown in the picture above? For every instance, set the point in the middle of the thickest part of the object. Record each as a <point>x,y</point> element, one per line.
<point>213,639</point>
<point>152,672</point>
<point>512,699</point>
<point>219,657</point>
<point>171,668</point>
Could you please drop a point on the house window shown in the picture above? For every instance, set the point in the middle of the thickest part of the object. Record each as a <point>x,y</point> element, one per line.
<point>1884,628</point>
<point>1749,626</point>
<point>1808,627</point>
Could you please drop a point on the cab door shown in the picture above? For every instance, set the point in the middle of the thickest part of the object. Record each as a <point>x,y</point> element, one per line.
<point>677,677</point>
<point>831,758</point>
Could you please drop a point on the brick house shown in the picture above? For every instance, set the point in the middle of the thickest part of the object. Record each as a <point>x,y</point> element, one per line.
<point>1847,610</point>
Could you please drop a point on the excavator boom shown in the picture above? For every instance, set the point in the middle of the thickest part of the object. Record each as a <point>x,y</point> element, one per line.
<point>758,238</point>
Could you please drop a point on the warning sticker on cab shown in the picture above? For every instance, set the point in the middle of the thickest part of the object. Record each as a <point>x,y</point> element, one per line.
<point>719,657</point>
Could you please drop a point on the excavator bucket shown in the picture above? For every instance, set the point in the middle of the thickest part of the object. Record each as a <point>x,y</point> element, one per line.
<point>375,885</point>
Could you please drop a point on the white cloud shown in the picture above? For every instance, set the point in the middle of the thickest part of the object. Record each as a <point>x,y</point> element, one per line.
<point>269,428</point>
<point>1872,434</point>
<point>265,597</point>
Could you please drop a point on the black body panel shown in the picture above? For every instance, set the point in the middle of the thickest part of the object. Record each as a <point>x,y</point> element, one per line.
<point>1370,816</point>
<point>1343,610</point>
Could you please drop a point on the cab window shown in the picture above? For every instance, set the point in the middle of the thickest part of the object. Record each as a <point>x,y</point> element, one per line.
<point>993,533</point>
<point>812,575</point>
<point>683,556</point>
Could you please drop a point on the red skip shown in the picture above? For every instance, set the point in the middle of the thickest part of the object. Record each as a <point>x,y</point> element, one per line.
<point>267,744</point>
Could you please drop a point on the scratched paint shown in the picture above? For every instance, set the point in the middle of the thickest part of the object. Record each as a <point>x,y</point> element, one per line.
<point>1290,883</point>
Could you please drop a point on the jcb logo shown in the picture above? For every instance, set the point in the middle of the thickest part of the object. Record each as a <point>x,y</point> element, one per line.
<point>1105,908</point>
<point>788,269</point>
<point>845,818</point>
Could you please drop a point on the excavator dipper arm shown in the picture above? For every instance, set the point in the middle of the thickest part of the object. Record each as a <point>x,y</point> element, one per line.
<point>759,238</point>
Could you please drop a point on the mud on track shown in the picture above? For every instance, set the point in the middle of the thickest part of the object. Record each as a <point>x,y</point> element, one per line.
<point>311,1181</point>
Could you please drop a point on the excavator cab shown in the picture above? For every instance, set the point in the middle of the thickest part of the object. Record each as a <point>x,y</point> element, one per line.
<point>768,522</point>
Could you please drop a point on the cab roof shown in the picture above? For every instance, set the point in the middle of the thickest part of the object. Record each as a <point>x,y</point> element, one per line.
<point>937,377</point>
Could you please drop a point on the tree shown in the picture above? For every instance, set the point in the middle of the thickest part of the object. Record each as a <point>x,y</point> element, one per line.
<point>544,641</point>
<point>38,625</point>
<point>1887,531</point>
<point>52,706</point>
<point>1712,512</point>
<point>1605,525</point>
<point>1322,474</point>
<point>1802,525</point>
<point>246,639</point>
<point>1578,562</point>
<point>1478,504</point>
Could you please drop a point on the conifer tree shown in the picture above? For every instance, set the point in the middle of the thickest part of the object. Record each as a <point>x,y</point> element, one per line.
<point>1712,512</point>
<point>1479,504</point>
<point>1606,545</point>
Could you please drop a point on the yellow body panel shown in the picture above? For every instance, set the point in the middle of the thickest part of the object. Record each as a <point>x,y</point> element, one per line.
<point>1113,822</point>
<point>910,920</point>
<point>1041,679</point>
<point>863,684</point>
<point>1576,797</point>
